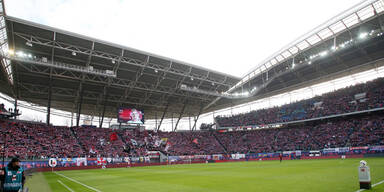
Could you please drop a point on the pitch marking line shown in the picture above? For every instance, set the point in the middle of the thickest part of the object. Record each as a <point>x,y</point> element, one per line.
<point>372,186</point>
<point>89,187</point>
<point>65,186</point>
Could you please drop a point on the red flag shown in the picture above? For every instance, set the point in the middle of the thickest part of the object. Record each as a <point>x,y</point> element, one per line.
<point>195,141</point>
<point>113,136</point>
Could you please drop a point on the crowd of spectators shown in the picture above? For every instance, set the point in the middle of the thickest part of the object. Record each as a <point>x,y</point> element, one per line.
<point>30,140</point>
<point>97,141</point>
<point>140,142</point>
<point>346,132</point>
<point>37,140</point>
<point>360,97</point>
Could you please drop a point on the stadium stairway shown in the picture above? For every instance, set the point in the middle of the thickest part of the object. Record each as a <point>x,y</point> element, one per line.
<point>78,141</point>
<point>218,140</point>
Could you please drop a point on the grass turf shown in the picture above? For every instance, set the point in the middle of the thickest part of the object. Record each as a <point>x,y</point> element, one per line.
<point>38,183</point>
<point>296,175</point>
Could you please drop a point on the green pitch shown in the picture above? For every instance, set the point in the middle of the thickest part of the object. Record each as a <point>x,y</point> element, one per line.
<point>295,175</point>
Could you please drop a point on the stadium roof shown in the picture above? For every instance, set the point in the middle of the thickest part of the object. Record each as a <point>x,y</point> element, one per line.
<point>348,43</point>
<point>74,65</point>
<point>76,68</point>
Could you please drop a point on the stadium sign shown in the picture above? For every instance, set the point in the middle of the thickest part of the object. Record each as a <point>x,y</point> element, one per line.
<point>52,162</point>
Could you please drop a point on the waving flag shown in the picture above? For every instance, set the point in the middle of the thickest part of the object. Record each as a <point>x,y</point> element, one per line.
<point>113,136</point>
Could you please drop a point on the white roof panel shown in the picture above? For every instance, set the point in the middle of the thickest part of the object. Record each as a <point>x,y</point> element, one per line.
<point>325,33</point>
<point>302,45</point>
<point>351,20</point>
<point>337,27</point>
<point>314,39</point>
<point>379,6</point>
<point>366,13</point>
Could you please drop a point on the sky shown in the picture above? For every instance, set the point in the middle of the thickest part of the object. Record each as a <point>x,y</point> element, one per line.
<point>230,36</point>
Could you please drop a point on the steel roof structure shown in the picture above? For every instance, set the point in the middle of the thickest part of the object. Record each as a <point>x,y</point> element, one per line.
<point>349,43</point>
<point>71,72</point>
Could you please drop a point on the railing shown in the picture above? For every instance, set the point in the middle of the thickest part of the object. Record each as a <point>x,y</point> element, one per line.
<point>22,57</point>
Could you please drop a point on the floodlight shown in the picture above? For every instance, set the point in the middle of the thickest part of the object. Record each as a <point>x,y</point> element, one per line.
<point>363,35</point>
<point>324,53</point>
<point>20,54</point>
<point>29,44</point>
<point>11,52</point>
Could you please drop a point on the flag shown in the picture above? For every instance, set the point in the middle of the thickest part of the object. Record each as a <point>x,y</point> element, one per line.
<point>92,150</point>
<point>164,140</point>
<point>146,140</point>
<point>195,141</point>
<point>167,146</point>
<point>113,137</point>
<point>157,143</point>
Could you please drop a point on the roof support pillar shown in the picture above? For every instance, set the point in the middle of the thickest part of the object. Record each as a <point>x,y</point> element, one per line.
<point>71,118</point>
<point>104,106</point>
<point>181,114</point>
<point>197,118</point>
<point>155,118</point>
<point>79,105</point>
<point>162,117</point>
<point>15,108</point>
<point>172,122</point>
<point>189,118</point>
<point>49,102</point>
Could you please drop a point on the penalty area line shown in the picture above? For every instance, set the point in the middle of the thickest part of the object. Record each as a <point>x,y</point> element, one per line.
<point>89,187</point>
<point>374,185</point>
<point>69,189</point>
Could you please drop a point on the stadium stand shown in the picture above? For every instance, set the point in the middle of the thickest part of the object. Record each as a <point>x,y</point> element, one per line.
<point>98,141</point>
<point>353,131</point>
<point>38,141</point>
<point>351,99</point>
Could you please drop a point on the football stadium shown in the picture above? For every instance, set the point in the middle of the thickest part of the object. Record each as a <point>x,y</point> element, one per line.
<point>310,117</point>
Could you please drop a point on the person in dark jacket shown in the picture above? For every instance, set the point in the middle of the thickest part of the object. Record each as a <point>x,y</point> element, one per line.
<point>12,177</point>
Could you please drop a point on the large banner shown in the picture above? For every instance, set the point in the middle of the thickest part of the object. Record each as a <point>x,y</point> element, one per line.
<point>84,161</point>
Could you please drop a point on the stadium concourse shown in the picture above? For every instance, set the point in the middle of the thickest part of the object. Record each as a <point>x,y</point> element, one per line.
<point>350,117</point>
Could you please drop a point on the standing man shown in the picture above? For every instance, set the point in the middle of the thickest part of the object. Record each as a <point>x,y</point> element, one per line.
<point>12,177</point>
<point>281,157</point>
